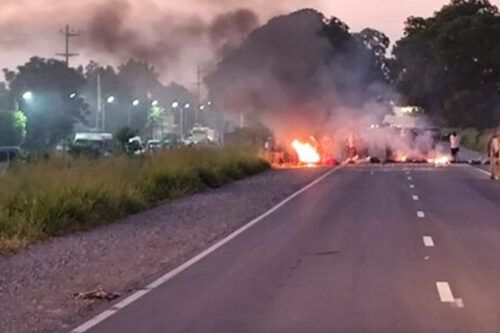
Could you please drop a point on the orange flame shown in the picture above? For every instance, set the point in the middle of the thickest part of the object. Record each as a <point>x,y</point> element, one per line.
<point>401,158</point>
<point>306,152</point>
<point>441,160</point>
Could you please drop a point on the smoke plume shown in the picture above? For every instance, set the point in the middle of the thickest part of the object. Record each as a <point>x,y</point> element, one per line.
<point>302,72</point>
<point>168,38</point>
<point>175,36</point>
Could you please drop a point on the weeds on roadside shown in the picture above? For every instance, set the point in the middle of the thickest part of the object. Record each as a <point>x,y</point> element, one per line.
<point>55,197</point>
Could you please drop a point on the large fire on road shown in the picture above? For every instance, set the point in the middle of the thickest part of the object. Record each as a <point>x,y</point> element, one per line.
<point>352,148</point>
<point>306,153</point>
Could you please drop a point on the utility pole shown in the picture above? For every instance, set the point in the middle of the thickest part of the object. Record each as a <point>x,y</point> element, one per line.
<point>68,34</point>
<point>99,117</point>
<point>199,84</point>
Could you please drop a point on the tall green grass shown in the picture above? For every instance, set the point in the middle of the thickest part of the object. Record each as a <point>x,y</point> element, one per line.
<point>55,197</point>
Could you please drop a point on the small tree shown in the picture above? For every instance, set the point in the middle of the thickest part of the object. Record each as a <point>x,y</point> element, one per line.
<point>123,137</point>
<point>12,128</point>
<point>54,108</point>
<point>155,119</point>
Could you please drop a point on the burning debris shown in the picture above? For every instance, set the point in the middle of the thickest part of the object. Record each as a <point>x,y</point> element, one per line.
<point>389,146</point>
<point>306,152</point>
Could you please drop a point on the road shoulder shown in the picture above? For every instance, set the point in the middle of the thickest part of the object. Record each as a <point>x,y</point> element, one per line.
<point>38,286</point>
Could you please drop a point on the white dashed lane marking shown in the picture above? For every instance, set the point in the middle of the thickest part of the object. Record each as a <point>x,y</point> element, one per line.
<point>446,296</point>
<point>420,214</point>
<point>428,241</point>
<point>415,197</point>
<point>444,292</point>
<point>412,186</point>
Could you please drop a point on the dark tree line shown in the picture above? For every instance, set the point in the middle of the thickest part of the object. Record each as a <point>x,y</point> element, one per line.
<point>64,99</point>
<point>450,64</point>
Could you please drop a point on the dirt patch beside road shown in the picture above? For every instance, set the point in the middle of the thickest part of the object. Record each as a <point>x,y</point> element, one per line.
<point>38,287</point>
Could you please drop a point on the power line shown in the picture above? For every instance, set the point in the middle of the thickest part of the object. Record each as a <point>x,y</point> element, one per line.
<point>68,34</point>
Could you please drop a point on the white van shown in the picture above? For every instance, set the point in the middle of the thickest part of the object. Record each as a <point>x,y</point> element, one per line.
<point>100,142</point>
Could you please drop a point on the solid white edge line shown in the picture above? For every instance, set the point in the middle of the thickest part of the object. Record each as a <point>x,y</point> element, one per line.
<point>94,321</point>
<point>480,170</point>
<point>421,214</point>
<point>444,292</point>
<point>428,241</point>
<point>130,299</point>
<point>135,296</point>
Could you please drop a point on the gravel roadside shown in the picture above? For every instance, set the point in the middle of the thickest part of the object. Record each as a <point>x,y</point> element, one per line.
<point>38,286</point>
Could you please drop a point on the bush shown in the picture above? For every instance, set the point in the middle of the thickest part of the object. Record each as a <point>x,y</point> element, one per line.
<point>54,197</point>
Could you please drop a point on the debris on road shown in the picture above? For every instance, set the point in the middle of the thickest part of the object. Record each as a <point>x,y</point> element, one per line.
<point>97,295</point>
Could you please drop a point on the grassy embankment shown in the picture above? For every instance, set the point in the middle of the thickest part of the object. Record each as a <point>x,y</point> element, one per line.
<point>51,198</point>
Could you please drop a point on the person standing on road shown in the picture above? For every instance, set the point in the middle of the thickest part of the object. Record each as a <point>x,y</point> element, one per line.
<point>454,145</point>
<point>494,155</point>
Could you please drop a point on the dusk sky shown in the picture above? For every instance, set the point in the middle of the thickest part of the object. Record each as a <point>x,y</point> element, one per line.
<point>30,27</point>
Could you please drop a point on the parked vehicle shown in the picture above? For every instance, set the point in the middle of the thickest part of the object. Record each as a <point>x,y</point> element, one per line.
<point>99,144</point>
<point>7,156</point>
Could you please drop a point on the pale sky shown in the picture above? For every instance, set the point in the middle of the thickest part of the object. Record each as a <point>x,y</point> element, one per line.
<point>31,27</point>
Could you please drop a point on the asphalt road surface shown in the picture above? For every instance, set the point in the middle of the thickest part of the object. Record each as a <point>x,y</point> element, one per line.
<point>367,249</point>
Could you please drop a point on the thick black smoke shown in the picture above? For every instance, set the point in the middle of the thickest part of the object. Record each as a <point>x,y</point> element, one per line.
<point>228,30</point>
<point>166,38</point>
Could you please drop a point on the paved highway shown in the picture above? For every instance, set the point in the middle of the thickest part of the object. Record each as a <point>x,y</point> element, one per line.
<point>366,249</point>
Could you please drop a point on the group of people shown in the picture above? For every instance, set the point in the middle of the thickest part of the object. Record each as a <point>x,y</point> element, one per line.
<point>493,152</point>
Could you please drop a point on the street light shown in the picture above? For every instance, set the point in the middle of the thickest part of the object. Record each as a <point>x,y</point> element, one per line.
<point>187,106</point>
<point>109,100</point>
<point>135,103</point>
<point>72,95</point>
<point>155,103</point>
<point>27,96</point>
<point>175,105</point>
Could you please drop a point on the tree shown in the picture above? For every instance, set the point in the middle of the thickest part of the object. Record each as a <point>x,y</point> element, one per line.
<point>139,77</point>
<point>378,43</point>
<point>12,128</point>
<point>155,120</point>
<point>133,80</point>
<point>140,81</point>
<point>123,136</point>
<point>6,100</point>
<point>450,63</point>
<point>54,107</point>
<point>302,67</point>
<point>116,113</point>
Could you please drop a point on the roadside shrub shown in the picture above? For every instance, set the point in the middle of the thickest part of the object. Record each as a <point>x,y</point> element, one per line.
<point>53,197</point>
